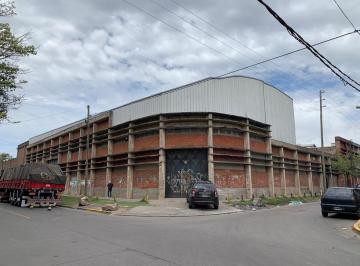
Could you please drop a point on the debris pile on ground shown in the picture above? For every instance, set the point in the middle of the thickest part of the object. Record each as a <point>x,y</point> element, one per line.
<point>258,203</point>
<point>110,207</point>
<point>295,203</point>
<point>84,201</point>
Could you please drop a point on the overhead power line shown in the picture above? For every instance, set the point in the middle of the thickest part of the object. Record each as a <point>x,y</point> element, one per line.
<point>342,11</point>
<point>288,53</point>
<point>179,30</point>
<point>216,28</point>
<point>346,79</point>
<point>200,29</point>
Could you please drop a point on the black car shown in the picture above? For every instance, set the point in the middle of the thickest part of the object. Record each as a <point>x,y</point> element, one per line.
<point>341,200</point>
<point>202,193</point>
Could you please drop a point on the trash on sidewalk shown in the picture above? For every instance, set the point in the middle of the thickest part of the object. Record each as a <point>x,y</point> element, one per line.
<point>84,201</point>
<point>295,203</point>
<point>110,207</point>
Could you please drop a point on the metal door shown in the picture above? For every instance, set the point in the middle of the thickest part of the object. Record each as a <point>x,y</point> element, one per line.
<point>182,166</point>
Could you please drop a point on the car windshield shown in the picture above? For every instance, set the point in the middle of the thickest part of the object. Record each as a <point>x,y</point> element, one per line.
<point>339,192</point>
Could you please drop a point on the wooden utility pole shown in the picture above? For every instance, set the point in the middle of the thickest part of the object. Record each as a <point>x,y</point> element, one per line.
<point>87,150</point>
<point>324,179</point>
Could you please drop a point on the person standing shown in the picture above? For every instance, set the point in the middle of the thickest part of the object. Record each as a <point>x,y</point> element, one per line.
<point>109,186</point>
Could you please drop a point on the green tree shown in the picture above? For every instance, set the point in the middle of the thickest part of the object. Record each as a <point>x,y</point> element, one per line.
<point>12,48</point>
<point>5,157</point>
<point>348,165</point>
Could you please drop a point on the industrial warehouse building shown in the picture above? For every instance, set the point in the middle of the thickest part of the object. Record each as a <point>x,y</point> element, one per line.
<point>237,132</point>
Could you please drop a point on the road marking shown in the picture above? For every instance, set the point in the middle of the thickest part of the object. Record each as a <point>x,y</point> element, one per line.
<point>16,213</point>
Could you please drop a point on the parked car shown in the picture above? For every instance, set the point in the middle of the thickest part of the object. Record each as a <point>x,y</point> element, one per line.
<point>202,193</point>
<point>341,200</point>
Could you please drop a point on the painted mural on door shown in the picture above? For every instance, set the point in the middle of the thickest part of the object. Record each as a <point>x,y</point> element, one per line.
<point>182,166</point>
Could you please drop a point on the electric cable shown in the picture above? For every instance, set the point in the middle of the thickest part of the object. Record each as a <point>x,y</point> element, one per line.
<point>346,79</point>
<point>342,11</point>
<point>288,53</point>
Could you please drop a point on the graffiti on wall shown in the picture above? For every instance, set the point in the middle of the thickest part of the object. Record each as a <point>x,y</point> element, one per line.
<point>229,181</point>
<point>145,182</point>
<point>180,181</point>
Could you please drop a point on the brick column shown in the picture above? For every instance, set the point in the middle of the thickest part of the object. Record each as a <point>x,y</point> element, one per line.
<point>309,175</point>
<point>108,164</point>
<point>130,168</point>
<point>248,179</point>
<point>211,174</point>
<point>162,158</point>
<point>92,160</point>
<point>297,174</point>
<point>269,168</point>
<point>282,173</point>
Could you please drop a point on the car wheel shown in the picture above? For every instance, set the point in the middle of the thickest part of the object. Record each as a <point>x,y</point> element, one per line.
<point>216,206</point>
<point>324,214</point>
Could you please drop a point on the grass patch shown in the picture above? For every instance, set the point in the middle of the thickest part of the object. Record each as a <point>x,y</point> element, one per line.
<point>73,201</point>
<point>70,201</point>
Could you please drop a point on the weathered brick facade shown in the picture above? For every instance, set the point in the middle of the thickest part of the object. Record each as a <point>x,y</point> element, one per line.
<point>243,159</point>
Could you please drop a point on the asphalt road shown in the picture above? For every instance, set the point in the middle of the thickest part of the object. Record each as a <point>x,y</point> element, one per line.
<point>280,236</point>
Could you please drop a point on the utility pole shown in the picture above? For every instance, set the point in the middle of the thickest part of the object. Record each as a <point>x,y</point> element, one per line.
<point>87,150</point>
<point>324,179</point>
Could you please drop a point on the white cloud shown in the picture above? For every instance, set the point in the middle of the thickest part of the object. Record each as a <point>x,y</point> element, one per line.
<point>107,53</point>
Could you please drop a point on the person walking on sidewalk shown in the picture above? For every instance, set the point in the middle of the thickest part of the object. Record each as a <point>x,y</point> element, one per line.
<point>109,186</point>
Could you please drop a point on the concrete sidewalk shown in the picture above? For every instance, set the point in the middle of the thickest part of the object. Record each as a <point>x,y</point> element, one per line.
<point>173,208</point>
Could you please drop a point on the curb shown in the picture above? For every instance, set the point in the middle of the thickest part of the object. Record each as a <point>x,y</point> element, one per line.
<point>356,227</point>
<point>84,209</point>
<point>177,216</point>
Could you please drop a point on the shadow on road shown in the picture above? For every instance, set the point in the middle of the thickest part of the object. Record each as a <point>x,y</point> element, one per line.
<point>344,216</point>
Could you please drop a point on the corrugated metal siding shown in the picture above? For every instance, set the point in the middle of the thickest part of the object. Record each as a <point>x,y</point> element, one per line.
<point>240,96</point>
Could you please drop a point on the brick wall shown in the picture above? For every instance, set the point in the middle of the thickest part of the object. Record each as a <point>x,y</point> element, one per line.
<point>277,178</point>
<point>235,142</point>
<point>99,183</point>
<point>119,177</point>
<point>258,145</point>
<point>74,156</point>
<point>146,143</point>
<point>303,179</point>
<point>259,177</point>
<point>146,177</point>
<point>234,178</point>
<point>101,150</point>
<point>120,147</point>
<point>290,178</point>
<point>174,140</point>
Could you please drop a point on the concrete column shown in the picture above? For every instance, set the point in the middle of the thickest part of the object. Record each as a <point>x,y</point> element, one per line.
<point>211,174</point>
<point>130,168</point>
<point>59,155</point>
<point>248,179</point>
<point>162,158</point>
<point>282,173</point>
<point>321,177</point>
<point>43,154</point>
<point>108,164</point>
<point>80,157</point>
<point>309,175</point>
<point>297,174</point>
<point>330,170</point>
<point>68,158</point>
<point>92,165</point>
<point>269,168</point>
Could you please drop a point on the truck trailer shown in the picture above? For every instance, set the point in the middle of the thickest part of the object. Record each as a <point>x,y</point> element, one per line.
<point>32,185</point>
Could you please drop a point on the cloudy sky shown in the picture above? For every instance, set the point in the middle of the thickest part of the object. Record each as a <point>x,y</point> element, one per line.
<point>109,52</point>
